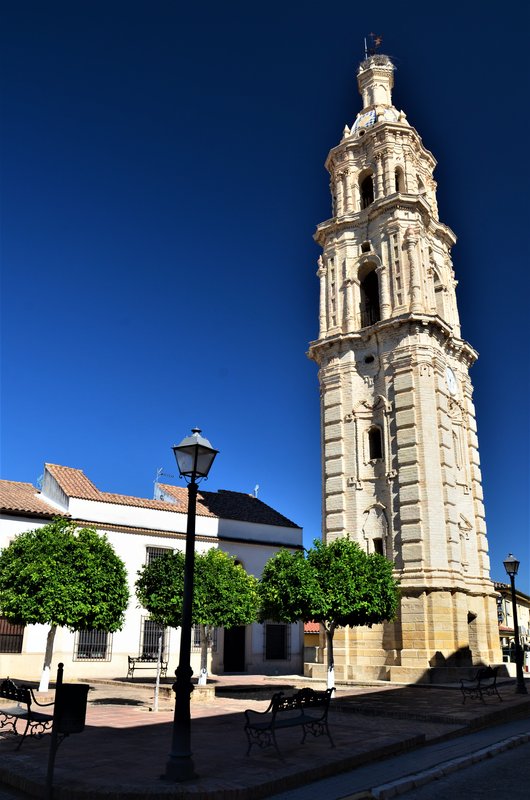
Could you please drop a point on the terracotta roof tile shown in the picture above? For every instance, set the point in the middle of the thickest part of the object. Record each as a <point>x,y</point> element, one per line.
<point>505,587</point>
<point>180,495</point>
<point>138,502</point>
<point>311,627</point>
<point>23,497</point>
<point>74,482</point>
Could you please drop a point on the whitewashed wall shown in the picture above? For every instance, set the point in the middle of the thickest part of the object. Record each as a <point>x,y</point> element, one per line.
<point>252,545</point>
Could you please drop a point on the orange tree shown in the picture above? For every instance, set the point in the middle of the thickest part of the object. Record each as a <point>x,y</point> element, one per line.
<point>224,595</point>
<point>335,584</point>
<point>59,576</point>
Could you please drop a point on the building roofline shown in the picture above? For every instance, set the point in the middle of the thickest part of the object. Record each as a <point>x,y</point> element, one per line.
<point>24,498</point>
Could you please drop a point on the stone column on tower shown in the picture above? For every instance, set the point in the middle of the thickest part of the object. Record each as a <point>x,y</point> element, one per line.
<point>411,242</point>
<point>321,274</point>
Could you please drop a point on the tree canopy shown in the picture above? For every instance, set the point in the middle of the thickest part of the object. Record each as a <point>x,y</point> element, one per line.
<point>336,584</point>
<point>224,594</point>
<point>59,576</point>
<point>55,575</point>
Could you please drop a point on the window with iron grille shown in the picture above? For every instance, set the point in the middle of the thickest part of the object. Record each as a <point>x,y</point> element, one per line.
<point>277,642</point>
<point>11,636</point>
<point>91,645</point>
<point>152,553</point>
<point>196,639</point>
<point>150,633</point>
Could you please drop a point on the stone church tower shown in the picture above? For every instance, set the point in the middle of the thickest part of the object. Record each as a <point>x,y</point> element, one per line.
<point>400,456</point>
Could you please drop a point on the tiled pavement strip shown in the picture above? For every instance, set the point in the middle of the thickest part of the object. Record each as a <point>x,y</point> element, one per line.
<point>123,750</point>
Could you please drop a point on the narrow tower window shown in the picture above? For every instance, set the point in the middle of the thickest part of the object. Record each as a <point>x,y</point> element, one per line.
<point>438,295</point>
<point>370,312</point>
<point>400,180</point>
<point>367,191</point>
<point>375,443</point>
<point>378,546</point>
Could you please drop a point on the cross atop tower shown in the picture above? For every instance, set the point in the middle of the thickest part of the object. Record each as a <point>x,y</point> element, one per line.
<point>375,43</point>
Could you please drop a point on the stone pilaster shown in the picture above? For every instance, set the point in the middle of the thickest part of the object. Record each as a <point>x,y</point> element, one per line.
<point>321,275</point>
<point>411,242</point>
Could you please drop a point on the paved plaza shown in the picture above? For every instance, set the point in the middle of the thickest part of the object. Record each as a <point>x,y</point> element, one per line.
<point>123,750</point>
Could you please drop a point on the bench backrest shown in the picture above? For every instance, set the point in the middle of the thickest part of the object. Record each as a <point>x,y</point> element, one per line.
<point>10,691</point>
<point>486,673</point>
<point>149,658</point>
<point>305,698</point>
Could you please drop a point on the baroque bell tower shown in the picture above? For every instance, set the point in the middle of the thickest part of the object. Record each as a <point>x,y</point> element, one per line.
<point>400,462</point>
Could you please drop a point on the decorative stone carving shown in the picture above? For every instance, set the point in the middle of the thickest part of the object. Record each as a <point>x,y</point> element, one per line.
<point>425,369</point>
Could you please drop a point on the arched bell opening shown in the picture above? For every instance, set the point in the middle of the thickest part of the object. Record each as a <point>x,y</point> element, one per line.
<point>366,189</point>
<point>370,308</point>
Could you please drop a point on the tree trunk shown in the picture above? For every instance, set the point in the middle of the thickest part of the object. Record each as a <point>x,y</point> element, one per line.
<point>331,661</point>
<point>205,641</point>
<point>45,677</point>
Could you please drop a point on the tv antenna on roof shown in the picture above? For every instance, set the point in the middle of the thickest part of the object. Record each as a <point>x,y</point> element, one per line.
<point>160,473</point>
<point>374,45</point>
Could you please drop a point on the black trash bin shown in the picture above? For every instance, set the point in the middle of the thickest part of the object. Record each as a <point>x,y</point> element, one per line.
<point>70,708</point>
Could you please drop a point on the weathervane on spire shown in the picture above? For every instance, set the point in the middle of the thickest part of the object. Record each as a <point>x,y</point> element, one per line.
<point>374,45</point>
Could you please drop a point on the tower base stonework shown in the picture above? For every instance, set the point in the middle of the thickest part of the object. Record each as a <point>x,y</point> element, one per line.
<point>438,637</point>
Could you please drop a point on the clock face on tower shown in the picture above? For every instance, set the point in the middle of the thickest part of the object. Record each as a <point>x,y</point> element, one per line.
<point>451,381</point>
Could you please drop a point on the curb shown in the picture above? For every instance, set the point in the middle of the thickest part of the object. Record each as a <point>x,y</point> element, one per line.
<point>417,779</point>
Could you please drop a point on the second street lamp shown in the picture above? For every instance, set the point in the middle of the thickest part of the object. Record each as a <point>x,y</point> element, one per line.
<point>195,456</point>
<point>511,565</point>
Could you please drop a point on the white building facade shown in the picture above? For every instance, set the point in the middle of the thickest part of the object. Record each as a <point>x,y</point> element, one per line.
<point>507,630</point>
<point>400,458</point>
<point>140,529</point>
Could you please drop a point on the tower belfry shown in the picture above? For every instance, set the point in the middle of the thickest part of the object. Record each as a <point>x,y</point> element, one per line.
<point>400,456</point>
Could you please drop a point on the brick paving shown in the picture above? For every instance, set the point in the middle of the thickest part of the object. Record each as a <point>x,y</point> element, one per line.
<point>123,750</point>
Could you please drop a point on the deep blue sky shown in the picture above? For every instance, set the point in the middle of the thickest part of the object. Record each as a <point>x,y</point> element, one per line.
<point>162,176</point>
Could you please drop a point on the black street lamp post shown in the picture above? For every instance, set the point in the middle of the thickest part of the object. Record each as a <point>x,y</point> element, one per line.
<point>195,456</point>
<point>511,565</point>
